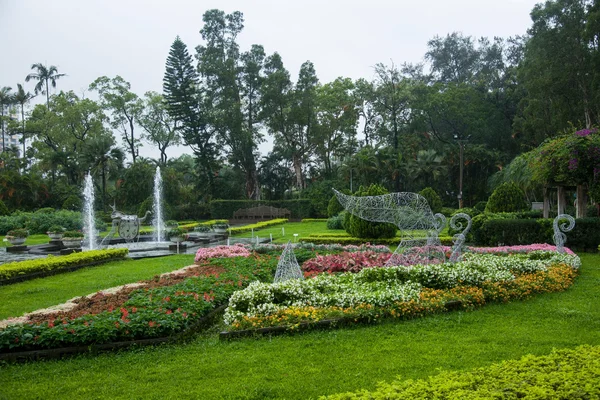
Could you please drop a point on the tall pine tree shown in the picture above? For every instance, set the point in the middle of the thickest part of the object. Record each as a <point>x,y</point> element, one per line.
<point>186,105</point>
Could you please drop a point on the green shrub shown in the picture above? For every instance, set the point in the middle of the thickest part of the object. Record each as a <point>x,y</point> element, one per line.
<point>434,200</point>
<point>585,235</point>
<point>41,222</point>
<point>480,206</point>
<point>146,205</point>
<point>337,221</point>
<point>510,232</point>
<point>45,210</point>
<point>563,374</point>
<point>334,207</point>
<point>507,197</point>
<point>361,228</point>
<point>3,209</point>
<point>223,209</point>
<point>73,203</point>
<point>51,263</point>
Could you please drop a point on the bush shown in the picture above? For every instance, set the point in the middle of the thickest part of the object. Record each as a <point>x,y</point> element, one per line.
<point>73,203</point>
<point>434,200</point>
<point>510,232</point>
<point>507,197</point>
<point>41,222</point>
<point>3,209</point>
<point>334,207</point>
<point>15,221</point>
<point>337,221</point>
<point>223,209</point>
<point>551,377</point>
<point>361,228</point>
<point>480,206</point>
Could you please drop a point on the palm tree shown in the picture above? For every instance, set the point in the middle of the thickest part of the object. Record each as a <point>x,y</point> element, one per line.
<point>6,99</point>
<point>45,76</point>
<point>22,98</point>
<point>102,155</point>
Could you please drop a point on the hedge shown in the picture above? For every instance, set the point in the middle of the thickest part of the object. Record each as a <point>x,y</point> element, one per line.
<point>300,208</point>
<point>445,240</point>
<point>258,225</point>
<point>52,263</point>
<point>585,235</point>
<point>563,374</point>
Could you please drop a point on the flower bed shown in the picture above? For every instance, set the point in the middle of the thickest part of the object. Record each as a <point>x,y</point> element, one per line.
<point>237,250</point>
<point>398,291</point>
<point>161,307</point>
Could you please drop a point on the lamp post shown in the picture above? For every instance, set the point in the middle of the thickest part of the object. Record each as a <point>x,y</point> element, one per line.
<point>461,146</point>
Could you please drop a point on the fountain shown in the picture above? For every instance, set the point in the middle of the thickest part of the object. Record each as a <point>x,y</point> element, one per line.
<point>158,222</point>
<point>89,224</point>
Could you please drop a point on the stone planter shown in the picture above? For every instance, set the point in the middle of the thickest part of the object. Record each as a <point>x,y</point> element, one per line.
<point>17,241</point>
<point>176,239</point>
<point>221,231</point>
<point>55,235</point>
<point>72,243</point>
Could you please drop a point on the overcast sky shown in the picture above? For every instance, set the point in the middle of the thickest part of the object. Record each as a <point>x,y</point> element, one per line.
<point>90,38</point>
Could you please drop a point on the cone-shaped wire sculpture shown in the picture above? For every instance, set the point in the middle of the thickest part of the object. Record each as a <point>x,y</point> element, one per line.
<point>559,237</point>
<point>409,212</point>
<point>288,267</point>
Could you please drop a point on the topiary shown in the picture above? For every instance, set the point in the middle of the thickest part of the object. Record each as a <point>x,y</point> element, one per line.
<point>73,203</point>
<point>507,197</point>
<point>361,228</point>
<point>434,200</point>
<point>334,207</point>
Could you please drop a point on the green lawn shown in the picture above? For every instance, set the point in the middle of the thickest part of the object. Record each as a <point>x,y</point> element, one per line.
<point>322,362</point>
<point>305,229</point>
<point>27,296</point>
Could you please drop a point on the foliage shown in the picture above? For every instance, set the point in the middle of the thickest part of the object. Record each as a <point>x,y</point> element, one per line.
<point>70,220</point>
<point>336,221</point>
<point>344,262</point>
<point>72,235</point>
<point>155,311</point>
<point>565,373</point>
<point>55,229</point>
<point>51,263</point>
<point>361,228</point>
<point>256,226</point>
<point>73,203</point>
<point>3,209</point>
<point>176,232</point>
<point>300,208</point>
<point>334,207</point>
<point>507,197</point>
<point>18,233</point>
<point>433,199</point>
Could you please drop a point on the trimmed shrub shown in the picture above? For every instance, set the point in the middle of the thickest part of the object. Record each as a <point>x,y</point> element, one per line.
<point>224,209</point>
<point>337,221</point>
<point>434,200</point>
<point>507,197</point>
<point>361,228</point>
<point>73,203</point>
<point>334,207</point>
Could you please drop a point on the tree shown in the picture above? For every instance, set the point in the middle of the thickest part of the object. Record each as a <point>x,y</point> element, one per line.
<point>337,118</point>
<point>559,70</point>
<point>6,99</point>
<point>100,155</point>
<point>45,76</point>
<point>124,106</point>
<point>22,98</point>
<point>188,107</point>
<point>231,82</point>
<point>160,127</point>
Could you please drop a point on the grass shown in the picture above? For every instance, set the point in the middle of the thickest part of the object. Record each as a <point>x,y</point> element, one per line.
<point>323,362</point>
<point>304,229</point>
<point>27,296</point>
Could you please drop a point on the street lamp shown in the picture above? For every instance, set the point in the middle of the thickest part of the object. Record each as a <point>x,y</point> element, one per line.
<point>461,145</point>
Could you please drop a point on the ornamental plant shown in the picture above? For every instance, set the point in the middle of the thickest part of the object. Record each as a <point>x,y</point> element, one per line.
<point>72,235</point>
<point>220,225</point>
<point>202,228</point>
<point>176,232</point>
<point>17,233</point>
<point>361,228</point>
<point>55,229</point>
<point>237,250</point>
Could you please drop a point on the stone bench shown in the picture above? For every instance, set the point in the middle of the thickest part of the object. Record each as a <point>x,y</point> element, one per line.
<point>261,213</point>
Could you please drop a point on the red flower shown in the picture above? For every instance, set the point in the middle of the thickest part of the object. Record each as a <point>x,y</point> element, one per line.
<point>151,324</point>
<point>50,324</point>
<point>169,312</point>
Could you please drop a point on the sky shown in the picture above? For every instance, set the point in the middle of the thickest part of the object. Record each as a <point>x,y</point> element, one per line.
<point>86,39</point>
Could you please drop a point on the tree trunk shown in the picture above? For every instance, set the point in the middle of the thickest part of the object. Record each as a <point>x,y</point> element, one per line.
<point>581,201</point>
<point>297,162</point>
<point>546,212</point>
<point>561,200</point>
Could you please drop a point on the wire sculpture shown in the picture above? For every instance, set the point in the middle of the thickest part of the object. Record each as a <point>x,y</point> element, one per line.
<point>409,212</point>
<point>288,267</point>
<point>459,238</point>
<point>559,237</point>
